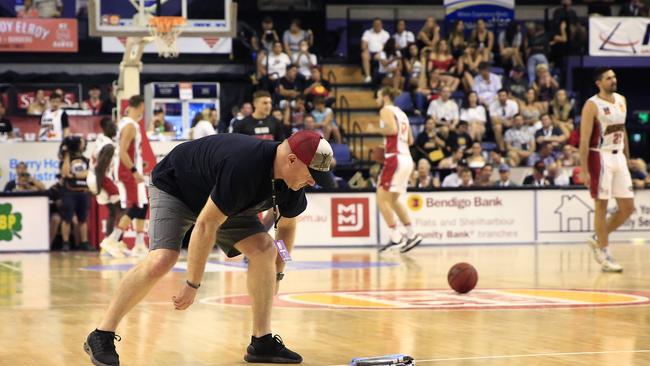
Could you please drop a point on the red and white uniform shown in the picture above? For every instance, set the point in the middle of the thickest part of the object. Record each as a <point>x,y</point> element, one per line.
<point>607,164</point>
<point>132,193</point>
<point>109,190</point>
<point>398,164</point>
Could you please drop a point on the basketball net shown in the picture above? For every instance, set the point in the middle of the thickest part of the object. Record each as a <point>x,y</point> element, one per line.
<point>165,31</point>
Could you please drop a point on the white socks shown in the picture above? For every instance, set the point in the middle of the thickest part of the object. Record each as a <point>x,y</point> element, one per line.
<point>116,234</point>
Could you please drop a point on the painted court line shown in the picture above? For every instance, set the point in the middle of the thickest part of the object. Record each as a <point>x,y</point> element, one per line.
<point>497,357</point>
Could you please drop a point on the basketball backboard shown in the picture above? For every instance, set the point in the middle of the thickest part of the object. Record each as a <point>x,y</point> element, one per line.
<point>129,18</point>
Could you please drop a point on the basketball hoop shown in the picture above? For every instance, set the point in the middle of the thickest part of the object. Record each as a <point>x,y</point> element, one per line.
<point>166,31</point>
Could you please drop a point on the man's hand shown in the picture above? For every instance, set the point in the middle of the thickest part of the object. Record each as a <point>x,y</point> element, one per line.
<point>138,177</point>
<point>586,177</point>
<point>185,297</point>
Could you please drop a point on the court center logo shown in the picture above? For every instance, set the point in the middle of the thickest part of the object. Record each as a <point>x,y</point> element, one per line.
<point>10,223</point>
<point>350,217</point>
<point>415,202</point>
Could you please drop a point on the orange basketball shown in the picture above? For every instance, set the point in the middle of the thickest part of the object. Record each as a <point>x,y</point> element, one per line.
<point>462,277</point>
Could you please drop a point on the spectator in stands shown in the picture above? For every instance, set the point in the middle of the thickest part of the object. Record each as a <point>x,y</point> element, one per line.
<point>569,156</point>
<point>109,103</point>
<point>6,128</point>
<point>304,60</point>
<point>294,35</point>
<point>452,161</point>
<point>201,125</point>
<point>510,45</point>
<point>49,8</point>
<point>484,38</point>
<point>475,115</point>
<point>424,177</point>
<point>562,112</point>
<point>94,102</point>
<point>559,44</point>
<point>430,84</point>
<point>545,86</point>
<point>486,84</point>
<point>28,11</point>
<point>260,124</point>
<point>634,8</point>
<point>576,177</point>
<point>429,144</point>
<point>268,37</point>
<point>537,178</point>
<point>75,198</point>
<point>466,178</point>
<point>372,42</point>
<point>442,59</point>
<point>459,138</point>
<point>316,86</point>
<point>476,158</point>
<point>403,37</point>
<point>504,177</point>
<point>530,108</point>
<point>516,83</point>
<point>238,113</point>
<point>389,72</point>
<point>453,179</point>
<point>38,105</point>
<point>575,33</point>
<point>543,154</point>
<point>273,68</point>
<point>550,133</point>
<point>457,41</point>
<point>484,178</point>
<point>444,112</point>
<point>290,86</point>
<point>311,125</point>
<point>54,121</point>
<point>502,111</point>
<point>536,48</point>
<point>324,117</point>
<point>296,114</point>
<point>639,173</point>
<point>520,143</point>
<point>429,34</point>
<point>467,67</point>
<point>413,66</point>
<point>159,124</point>
<point>556,176</point>
<point>23,181</point>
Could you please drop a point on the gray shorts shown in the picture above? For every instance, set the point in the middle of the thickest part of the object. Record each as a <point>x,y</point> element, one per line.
<point>171,223</point>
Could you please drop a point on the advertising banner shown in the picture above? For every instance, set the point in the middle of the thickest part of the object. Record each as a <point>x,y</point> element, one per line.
<point>220,45</point>
<point>619,36</point>
<point>24,224</point>
<point>568,216</point>
<point>38,35</point>
<point>471,217</point>
<point>496,12</point>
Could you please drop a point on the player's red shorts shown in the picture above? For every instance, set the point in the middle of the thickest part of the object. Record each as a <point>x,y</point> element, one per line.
<point>132,193</point>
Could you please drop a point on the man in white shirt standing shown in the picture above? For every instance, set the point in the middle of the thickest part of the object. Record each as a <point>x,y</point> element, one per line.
<point>372,42</point>
<point>444,111</point>
<point>273,67</point>
<point>502,111</point>
<point>486,84</point>
<point>54,121</point>
<point>403,37</point>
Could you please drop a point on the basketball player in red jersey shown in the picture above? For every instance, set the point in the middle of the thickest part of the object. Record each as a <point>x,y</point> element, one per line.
<point>604,155</point>
<point>398,166</point>
<point>133,195</point>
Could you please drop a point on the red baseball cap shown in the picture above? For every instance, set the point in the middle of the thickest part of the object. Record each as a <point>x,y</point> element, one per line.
<point>313,150</point>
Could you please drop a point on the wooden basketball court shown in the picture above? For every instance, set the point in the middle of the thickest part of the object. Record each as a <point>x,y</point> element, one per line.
<point>534,305</point>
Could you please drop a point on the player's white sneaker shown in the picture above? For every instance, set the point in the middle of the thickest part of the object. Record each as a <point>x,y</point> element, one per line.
<point>411,243</point>
<point>112,248</point>
<point>391,246</point>
<point>139,250</point>
<point>599,254</point>
<point>610,264</point>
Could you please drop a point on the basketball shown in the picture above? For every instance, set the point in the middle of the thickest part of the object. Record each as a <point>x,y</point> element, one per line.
<point>462,277</point>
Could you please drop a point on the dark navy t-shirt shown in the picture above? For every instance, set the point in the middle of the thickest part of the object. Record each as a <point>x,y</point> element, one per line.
<point>233,170</point>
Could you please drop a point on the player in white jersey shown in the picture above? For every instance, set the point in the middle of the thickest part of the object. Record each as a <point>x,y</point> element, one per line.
<point>604,154</point>
<point>130,182</point>
<point>398,166</point>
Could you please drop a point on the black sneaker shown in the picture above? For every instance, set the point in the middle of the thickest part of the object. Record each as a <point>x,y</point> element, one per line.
<point>100,347</point>
<point>411,243</point>
<point>269,349</point>
<point>391,245</point>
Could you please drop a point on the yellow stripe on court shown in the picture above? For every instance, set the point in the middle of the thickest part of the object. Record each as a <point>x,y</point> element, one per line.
<point>337,300</point>
<point>587,297</point>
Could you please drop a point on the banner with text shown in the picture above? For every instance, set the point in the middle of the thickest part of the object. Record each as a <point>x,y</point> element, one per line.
<point>470,217</point>
<point>185,45</point>
<point>24,224</point>
<point>619,36</point>
<point>38,35</point>
<point>496,13</point>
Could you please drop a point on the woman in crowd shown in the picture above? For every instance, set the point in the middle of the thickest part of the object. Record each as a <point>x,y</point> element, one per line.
<point>484,38</point>
<point>429,144</point>
<point>429,35</point>
<point>201,125</point>
<point>467,66</point>
<point>531,109</point>
<point>457,41</point>
<point>390,65</point>
<point>476,158</point>
<point>424,178</point>
<point>294,35</point>
<point>510,45</point>
<point>412,66</point>
<point>475,115</point>
<point>442,59</point>
<point>562,112</point>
